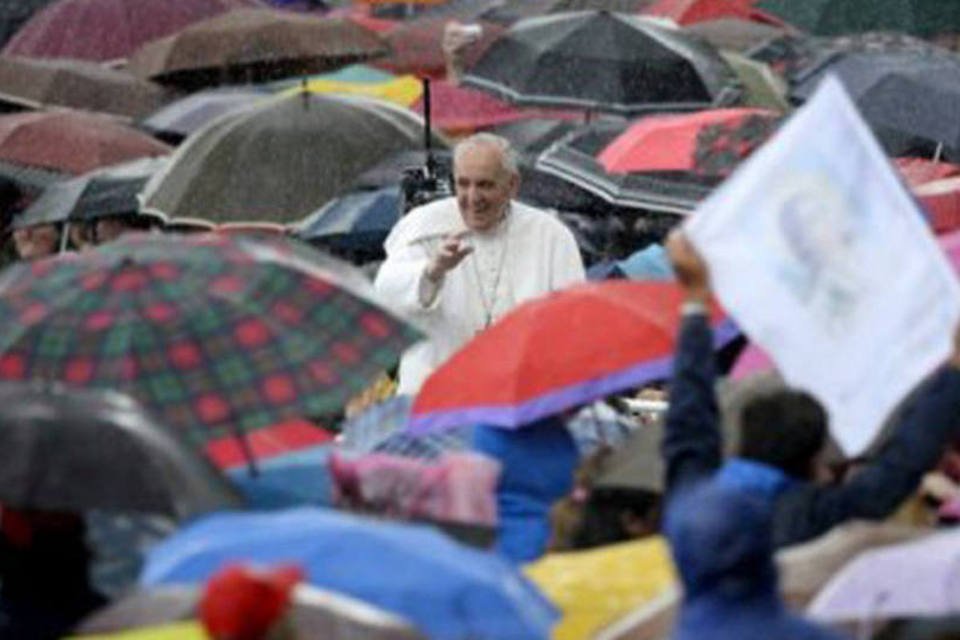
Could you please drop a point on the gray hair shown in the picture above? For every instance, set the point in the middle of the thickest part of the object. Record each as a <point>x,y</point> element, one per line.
<point>508,155</point>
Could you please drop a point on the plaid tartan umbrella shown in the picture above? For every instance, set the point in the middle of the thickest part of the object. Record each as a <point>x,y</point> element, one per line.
<point>217,335</point>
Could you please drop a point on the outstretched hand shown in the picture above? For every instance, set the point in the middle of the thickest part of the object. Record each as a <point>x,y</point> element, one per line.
<point>452,252</point>
<point>689,267</point>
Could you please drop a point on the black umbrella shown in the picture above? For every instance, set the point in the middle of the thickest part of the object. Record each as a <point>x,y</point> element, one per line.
<point>74,450</point>
<point>355,223</point>
<point>574,160</point>
<point>900,94</point>
<point>104,192</point>
<point>603,61</point>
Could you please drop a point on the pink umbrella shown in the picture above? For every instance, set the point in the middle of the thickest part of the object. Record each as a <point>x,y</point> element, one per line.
<point>941,199</point>
<point>457,109</point>
<point>108,29</point>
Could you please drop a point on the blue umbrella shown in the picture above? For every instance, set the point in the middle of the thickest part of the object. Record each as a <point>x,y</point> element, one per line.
<point>448,590</point>
<point>358,221</point>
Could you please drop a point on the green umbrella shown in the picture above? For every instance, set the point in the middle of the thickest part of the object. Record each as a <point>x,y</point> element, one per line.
<point>761,86</point>
<point>835,17</point>
<point>281,159</point>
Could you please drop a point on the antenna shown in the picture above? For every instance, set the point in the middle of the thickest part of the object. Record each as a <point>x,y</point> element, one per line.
<point>428,129</point>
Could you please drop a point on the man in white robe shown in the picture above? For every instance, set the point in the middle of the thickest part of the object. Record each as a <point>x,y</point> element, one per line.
<point>460,264</point>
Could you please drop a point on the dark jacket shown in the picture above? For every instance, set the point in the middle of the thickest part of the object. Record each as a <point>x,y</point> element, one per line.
<point>802,510</point>
<point>721,544</point>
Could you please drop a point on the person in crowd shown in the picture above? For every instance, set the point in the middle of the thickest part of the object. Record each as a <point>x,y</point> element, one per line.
<point>538,463</point>
<point>783,434</point>
<point>722,546</point>
<point>45,584</point>
<point>459,264</point>
<point>109,228</point>
<point>37,241</point>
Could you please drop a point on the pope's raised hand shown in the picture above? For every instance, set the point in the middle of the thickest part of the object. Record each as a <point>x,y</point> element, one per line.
<point>451,253</point>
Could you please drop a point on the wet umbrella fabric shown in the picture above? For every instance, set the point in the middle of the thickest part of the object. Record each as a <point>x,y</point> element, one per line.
<point>622,64</point>
<point>573,159</point>
<point>281,159</point>
<point>215,335</point>
<point>255,45</point>
<point>358,221</point>
<point>447,590</point>
<point>734,34</point>
<point>189,114</point>
<point>525,367</point>
<point>900,93</point>
<point>72,142</point>
<point>509,13</point>
<point>417,45</point>
<point>102,30</point>
<point>77,84</point>
<point>78,450</point>
<point>314,614</point>
<point>103,192</point>
<point>833,17</point>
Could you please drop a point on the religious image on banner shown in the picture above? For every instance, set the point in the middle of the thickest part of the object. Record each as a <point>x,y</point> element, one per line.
<point>825,261</point>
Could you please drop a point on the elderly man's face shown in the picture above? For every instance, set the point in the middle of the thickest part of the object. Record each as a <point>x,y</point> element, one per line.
<point>484,186</point>
<point>36,242</point>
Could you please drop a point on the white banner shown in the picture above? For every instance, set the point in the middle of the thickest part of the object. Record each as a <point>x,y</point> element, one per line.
<point>823,258</point>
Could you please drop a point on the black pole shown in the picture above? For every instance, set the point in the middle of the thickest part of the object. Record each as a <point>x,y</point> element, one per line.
<point>427,128</point>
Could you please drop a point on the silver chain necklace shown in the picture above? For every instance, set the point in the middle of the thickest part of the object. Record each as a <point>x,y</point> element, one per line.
<point>488,309</point>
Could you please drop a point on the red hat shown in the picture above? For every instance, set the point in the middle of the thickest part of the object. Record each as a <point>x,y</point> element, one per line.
<point>243,603</point>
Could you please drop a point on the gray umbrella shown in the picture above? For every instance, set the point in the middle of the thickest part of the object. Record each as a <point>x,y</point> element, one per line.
<point>281,159</point>
<point>76,450</point>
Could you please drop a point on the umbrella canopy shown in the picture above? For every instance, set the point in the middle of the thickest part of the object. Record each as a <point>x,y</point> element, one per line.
<point>177,120</point>
<point>526,366</point>
<point>314,613</point>
<point>679,142</point>
<point>77,450</point>
<point>445,589</point>
<point>102,192</point>
<point>216,335</point>
<point>900,93</point>
<point>762,88</point>
<point>622,64</point>
<point>832,17</point>
<point>71,142</point>
<point>282,159</point>
<point>573,159</point>
<point>692,11</point>
<point>77,84</point>
<point>417,46</point>
<point>734,34</point>
<point>254,45</point>
<point>456,109</point>
<point>365,81</point>
<point>108,29</point>
<point>906,580</point>
<point>509,12</point>
<point>13,13</point>
<point>358,221</point>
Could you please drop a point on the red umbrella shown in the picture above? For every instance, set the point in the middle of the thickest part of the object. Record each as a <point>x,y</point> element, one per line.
<point>941,198</point>
<point>456,109</point>
<point>108,29</point>
<point>691,11</point>
<point>72,141</point>
<point>560,351</point>
<point>672,142</point>
<point>417,47</point>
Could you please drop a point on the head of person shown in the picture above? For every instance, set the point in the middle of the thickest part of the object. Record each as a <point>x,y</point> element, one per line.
<point>109,228</point>
<point>486,177</point>
<point>787,429</point>
<point>37,241</point>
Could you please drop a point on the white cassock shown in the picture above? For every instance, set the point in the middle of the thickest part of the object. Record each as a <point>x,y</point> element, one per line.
<point>528,254</point>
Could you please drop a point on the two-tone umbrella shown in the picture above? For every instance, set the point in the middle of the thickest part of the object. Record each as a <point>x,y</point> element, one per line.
<point>180,118</point>
<point>558,352</point>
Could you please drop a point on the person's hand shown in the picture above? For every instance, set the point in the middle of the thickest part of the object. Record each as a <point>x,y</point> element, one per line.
<point>452,252</point>
<point>688,265</point>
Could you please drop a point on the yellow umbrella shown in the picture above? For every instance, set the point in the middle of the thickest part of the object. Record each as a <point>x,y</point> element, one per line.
<point>174,631</point>
<point>595,588</point>
<point>402,90</point>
